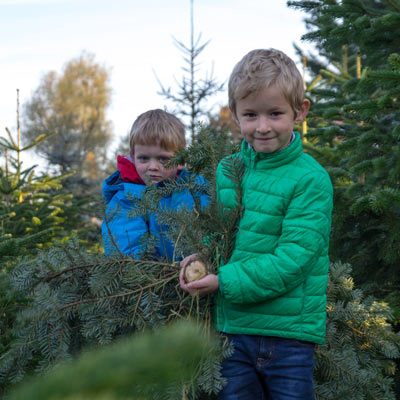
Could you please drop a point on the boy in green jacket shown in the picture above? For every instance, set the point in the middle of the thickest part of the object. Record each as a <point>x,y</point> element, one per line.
<point>271,293</point>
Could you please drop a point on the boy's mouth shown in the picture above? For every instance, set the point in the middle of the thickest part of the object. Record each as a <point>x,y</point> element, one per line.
<point>264,138</point>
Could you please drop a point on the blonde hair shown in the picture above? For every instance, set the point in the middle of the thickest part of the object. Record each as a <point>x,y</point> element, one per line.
<point>263,68</point>
<point>157,127</point>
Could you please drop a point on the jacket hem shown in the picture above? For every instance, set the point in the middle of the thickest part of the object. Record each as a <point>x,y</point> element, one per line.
<point>282,334</point>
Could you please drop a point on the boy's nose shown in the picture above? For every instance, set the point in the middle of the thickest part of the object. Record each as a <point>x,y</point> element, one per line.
<point>154,164</point>
<point>263,125</point>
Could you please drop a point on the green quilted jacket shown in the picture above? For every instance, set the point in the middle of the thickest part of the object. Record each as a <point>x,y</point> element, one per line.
<point>276,279</point>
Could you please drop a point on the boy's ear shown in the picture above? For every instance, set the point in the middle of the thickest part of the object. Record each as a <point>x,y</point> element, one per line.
<point>233,115</point>
<point>305,107</point>
<point>235,119</point>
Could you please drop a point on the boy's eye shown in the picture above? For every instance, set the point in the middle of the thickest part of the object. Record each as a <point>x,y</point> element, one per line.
<point>276,113</point>
<point>143,158</point>
<point>249,115</point>
<point>164,160</point>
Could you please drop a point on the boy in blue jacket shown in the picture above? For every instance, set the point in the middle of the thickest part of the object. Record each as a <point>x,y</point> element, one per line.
<point>155,137</point>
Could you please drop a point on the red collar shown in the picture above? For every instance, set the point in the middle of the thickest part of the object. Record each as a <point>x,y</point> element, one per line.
<point>128,171</point>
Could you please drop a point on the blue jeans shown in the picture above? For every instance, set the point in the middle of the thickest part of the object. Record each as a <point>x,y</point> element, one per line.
<point>268,368</point>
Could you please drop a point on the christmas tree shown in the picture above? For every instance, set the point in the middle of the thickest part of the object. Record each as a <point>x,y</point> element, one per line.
<point>80,300</point>
<point>32,210</point>
<point>155,366</point>
<point>354,84</point>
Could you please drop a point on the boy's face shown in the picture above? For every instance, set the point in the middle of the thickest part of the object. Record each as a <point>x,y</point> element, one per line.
<point>150,163</point>
<point>266,119</point>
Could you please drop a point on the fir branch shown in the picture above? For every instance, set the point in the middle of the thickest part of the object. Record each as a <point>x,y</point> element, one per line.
<point>166,279</point>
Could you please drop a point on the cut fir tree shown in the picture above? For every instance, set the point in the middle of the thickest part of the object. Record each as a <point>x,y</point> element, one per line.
<point>80,300</point>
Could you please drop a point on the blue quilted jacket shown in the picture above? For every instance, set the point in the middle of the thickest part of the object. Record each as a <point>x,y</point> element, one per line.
<point>125,234</point>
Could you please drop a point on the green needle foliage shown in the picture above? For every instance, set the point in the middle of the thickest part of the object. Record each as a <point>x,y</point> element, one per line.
<point>148,366</point>
<point>358,360</point>
<point>192,92</point>
<point>32,210</point>
<point>354,84</point>
<point>79,300</point>
<point>31,204</point>
<point>77,308</point>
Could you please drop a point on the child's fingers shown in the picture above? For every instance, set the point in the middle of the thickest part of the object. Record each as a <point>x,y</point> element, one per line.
<point>197,284</point>
<point>185,288</point>
<point>187,260</point>
<point>182,282</point>
<point>201,283</point>
<point>208,284</point>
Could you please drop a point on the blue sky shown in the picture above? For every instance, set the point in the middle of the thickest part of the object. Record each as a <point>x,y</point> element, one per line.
<point>134,40</point>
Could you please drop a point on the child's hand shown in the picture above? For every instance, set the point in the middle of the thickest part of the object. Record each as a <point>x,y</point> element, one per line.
<point>187,260</point>
<point>208,284</point>
<point>184,263</point>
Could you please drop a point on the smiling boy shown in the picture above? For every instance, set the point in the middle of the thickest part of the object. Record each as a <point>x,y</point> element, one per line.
<point>266,119</point>
<point>271,293</point>
<point>155,137</point>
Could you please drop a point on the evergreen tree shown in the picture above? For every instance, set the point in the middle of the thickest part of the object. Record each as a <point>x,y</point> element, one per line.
<point>32,212</point>
<point>193,92</point>
<point>32,207</point>
<point>358,360</point>
<point>364,26</point>
<point>354,125</point>
<point>79,299</point>
<point>152,366</point>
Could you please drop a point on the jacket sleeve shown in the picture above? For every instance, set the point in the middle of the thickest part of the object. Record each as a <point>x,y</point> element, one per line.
<point>123,233</point>
<point>304,238</point>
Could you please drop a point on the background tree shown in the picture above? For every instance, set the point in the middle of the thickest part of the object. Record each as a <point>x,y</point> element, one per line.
<point>357,362</point>
<point>193,93</point>
<point>32,203</point>
<point>354,129</point>
<point>33,210</point>
<point>223,121</point>
<point>79,299</point>
<point>121,149</point>
<point>71,108</point>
